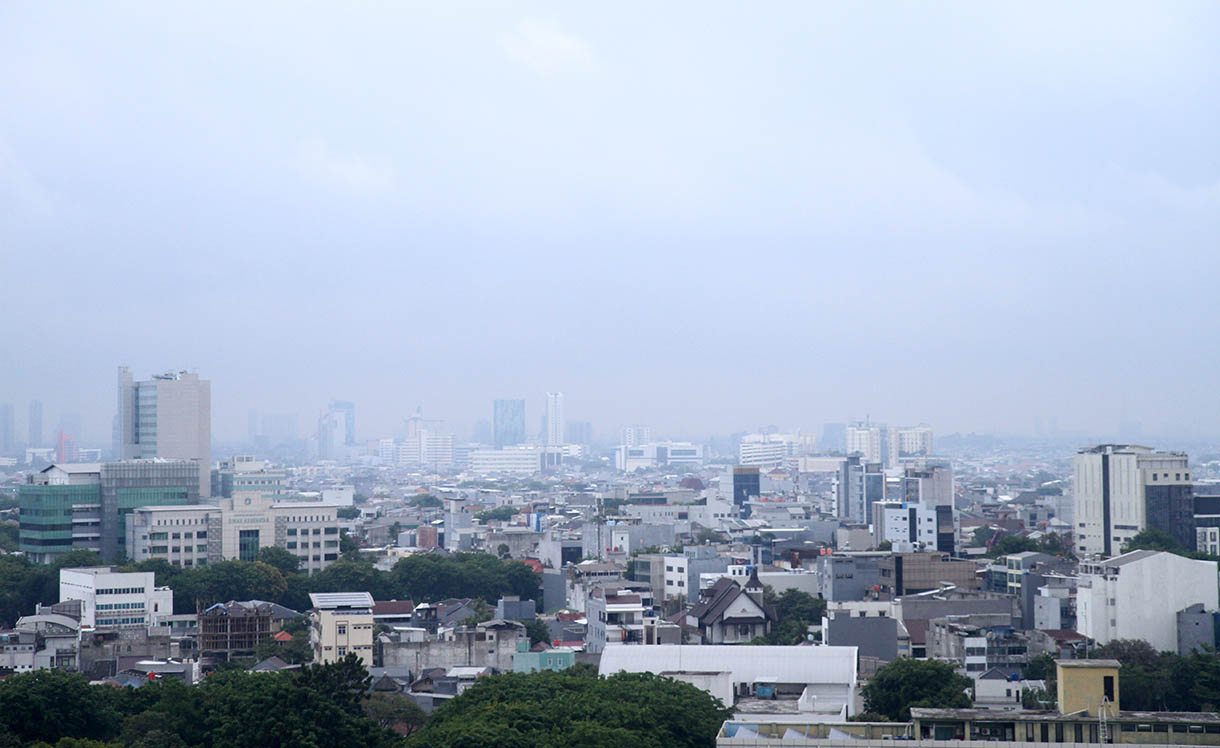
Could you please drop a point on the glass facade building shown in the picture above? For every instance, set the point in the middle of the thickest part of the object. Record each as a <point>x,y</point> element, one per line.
<point>508,423</point>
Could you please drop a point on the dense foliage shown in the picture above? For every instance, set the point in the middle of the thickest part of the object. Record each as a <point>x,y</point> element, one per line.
<point>796,611</point>
<point>499,514</point>
<point>904,683</point>
<point>1053,543</point>
<point>575,709</point>
<point>319,706</point>
<point>1163,681</point>
<point>1156,539</point>
<point>274,577</point>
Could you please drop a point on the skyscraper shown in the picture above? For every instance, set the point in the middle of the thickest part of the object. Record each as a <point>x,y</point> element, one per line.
<point>168,416</point>
<point>34,427</point>
<point>1121,489</point>
<point>348,409</point>
<point>6,429</point>
<point>332,434</point>
<point>554,418</point>
<point>636,435</point>
<point>867,440</point>
<point>508,422</point>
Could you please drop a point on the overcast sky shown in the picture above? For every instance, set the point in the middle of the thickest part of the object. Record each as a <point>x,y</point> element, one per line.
<point>703,216</point>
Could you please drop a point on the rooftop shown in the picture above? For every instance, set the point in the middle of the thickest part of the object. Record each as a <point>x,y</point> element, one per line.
<point>327,600</point>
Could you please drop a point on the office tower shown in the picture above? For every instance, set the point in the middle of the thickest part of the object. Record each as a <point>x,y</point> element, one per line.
<point>1121,489</point>
<point>554,418</point>
<point>34,427</point>
<point>84,506</point>
<point>7,438</point>
<point>508,423</point>
<point>332,434</point>
<point>859,485</point>
<point>482,432</point>
<point>66,447</point>
<point>635,436</point>
<point>348,411</point>
<point>866,440</point>
<point>579,432</point>
<point>168,416</point>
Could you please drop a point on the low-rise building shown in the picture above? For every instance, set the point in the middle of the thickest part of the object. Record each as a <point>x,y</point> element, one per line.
<point>116,599</point>
<point>341,624</point>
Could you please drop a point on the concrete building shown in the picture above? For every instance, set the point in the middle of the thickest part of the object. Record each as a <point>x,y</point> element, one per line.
<point>508,423</point>
<point>168,416</point>
<point>235,529</point>
<point>426,449</point>
<point>520,460</point>
<point>1138,596</point>
<point>910,442</point>
<point>246,475</point>
<point>867,441</point>
<point>111,599</point>
<point>911,573</point>
<point>341,624</point>
<point>635,436</point>
<point>915,526</point>
<point>657,454</point>
<point>930,485</point>
<point>849,575</point>
<point>1120,489</point>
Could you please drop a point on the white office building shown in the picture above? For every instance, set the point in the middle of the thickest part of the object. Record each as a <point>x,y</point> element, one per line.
<point>634,436</point>
<point>910,441</point>
<point>657,454</point>
<point>866,440</point>
<point>168,416</point>
<point>111,599</point>
<point>1120,489</point>
<point>521,460</point>
<point>1138,596</point>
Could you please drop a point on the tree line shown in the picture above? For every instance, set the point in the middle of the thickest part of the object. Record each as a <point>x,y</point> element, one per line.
<point>329,706</point>
<point>276,577</point>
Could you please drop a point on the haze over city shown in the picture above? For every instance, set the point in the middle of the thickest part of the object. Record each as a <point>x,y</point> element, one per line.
<point>694,215</point>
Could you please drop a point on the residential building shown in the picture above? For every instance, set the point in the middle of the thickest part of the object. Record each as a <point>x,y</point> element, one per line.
<point>858,485</point>
<point>1138,596</point>
<point>46,640</point>
<point>1207,518</point>
<point>773,450</point>
<point>341,624</point>
<point>111,599</point>
<point>555,659</point>
<point>849,575</point>
<point>874,636</point>
<point>492,644</point>
<point>168,416</point>
<point>867,441</point>
<point>554,419</point>
<point>1120,489</point>
<point>635,436</point>
<point>908,442</point>
<point>427,449</point>
<point>731,613</point>
<point>66,507</point>
<point>508,423</point>
<point>978,643</point>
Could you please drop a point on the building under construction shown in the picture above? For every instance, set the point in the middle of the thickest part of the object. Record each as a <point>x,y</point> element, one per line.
<point>237,628</point>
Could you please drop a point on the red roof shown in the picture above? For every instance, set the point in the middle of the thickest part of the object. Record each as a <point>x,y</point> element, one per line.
<point>534,564</point>
<point>393,607</point>
<point>282,636</point>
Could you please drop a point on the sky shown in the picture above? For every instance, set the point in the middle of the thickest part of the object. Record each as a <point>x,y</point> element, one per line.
<point>705,216</point>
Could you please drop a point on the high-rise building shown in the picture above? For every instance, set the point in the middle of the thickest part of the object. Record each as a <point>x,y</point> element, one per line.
<point>747,484</point>
<point>348,411</point>
<point>1120,489</point>
<point>508,423</point>
<point>34,427</point>
<point>7,434</point>
<point>930,485</point>
<point>554,418</point>
<point>634,436</point>
<point>332,434</point>
<point>579,432</point>
<point>858,486</point>
<point>866,440</point>
<point>834,437</point>
<point>908,442</point>
<point>168,416</point>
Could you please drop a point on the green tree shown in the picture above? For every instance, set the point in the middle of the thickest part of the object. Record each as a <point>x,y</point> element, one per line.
<point>283,560</point>
<point>499,514</point>
<point>503,551</point>
<point>904,683</point>
<point>395,712</point>
<point>51,704</point>
<point>348,512</point>
<point>573,708</point>
<point>538,632</point>
<point>425,501</point>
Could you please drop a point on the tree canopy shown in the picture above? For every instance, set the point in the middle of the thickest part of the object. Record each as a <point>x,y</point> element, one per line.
<point>576,709</point>
<point>899,685</point>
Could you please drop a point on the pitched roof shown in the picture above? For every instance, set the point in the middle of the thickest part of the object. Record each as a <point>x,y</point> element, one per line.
<point>723,594</point>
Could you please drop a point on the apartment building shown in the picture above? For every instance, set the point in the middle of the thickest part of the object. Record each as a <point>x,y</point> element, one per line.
<point>341,624</point>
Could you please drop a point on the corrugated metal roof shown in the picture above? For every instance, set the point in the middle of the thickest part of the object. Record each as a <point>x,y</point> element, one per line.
<point>341,599</point>
<point>795,664</point>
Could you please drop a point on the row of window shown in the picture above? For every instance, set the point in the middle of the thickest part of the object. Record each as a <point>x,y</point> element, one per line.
<point>121,591</point>
<point>121,606</point>
<point>316,531</point>
<point>118,621</point>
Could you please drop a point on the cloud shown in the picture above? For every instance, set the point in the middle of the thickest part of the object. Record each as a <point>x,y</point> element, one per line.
<point>547,49</point>
<point>347,172</point>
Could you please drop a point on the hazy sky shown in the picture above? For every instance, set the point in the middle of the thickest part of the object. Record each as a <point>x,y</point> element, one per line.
<point>702,216</point>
